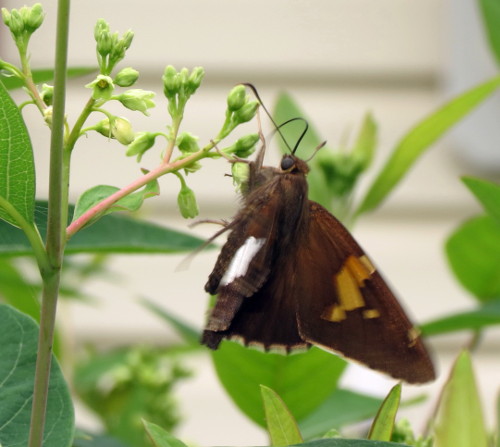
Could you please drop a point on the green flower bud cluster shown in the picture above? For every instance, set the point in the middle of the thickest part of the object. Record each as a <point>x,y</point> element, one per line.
<point>23,23</point>
<point>179,86</point>
<point>110,47</point>
<point>341,169</point>
<point>240,109</point>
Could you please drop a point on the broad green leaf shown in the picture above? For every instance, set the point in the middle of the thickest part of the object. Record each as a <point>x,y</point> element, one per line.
<point>460,421</point>
<point>488,193</point>
<point>97,194</point>
<point>242,370</point>
<point>45,75</point>
<point>340,442</point>
<point>112,234</point>
<point>342,407</point>
<point>486,314</point>
<point>160,437</point>
<point>18,341</point>
<point>281,425</point>
<point>189,334</point>
<point>17,168</point>
<point>473,252</point>
<point>420,138</point>
<point>491,18</point>
<point>383,424</point>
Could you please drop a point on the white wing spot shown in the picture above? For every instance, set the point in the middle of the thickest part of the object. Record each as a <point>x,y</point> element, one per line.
<point>241,260</point>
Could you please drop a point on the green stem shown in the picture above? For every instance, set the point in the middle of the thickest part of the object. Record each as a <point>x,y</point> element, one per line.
<point>55,232</point>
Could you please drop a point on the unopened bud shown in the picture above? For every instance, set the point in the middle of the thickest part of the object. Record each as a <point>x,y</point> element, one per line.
<point>34,18</point>
<point>137,99</point>
<point>142,142</point>
<point>121,129</point>
<point>247,112</point>
<point>126,77</point>
<point>236,98</point>
<point>186,201</point>
<point>187,142</point>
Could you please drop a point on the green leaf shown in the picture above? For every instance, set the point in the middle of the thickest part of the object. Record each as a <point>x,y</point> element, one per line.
<point>17,168</point>
<point>45,75</point>
<point>160,437</point>
<point>491,19</point>
<point>342,407</point>
<point>189,334</point>
<point>459,421</point>
<point>97,194</point>
<point>488,193</point>
<point>112,234</point>
<point>420,138</point>
<point>91,440</point>
<point>486,315</point>
<point>18,341</point>
<point>366,141</point>
<point>281,425</point>
<point>340,442</point>
<point>473,252</point>
<point>383,425</point>
<point>242,370</point>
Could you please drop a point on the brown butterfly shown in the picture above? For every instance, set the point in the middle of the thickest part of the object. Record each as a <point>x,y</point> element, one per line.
<point>290,276</point>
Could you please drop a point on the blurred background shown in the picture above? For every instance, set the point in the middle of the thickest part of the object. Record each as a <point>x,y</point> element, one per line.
<point>398,59</point>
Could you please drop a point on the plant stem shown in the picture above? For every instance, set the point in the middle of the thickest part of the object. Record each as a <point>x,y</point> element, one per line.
<point>55,232</point>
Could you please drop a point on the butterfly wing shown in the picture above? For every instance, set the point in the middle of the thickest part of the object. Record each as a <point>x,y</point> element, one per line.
<point>246,274</point>
<point>344,305</point>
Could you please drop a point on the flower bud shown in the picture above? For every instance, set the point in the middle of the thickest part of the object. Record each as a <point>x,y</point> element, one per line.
<point>186,201</point>
<point>247,112</point>
<point>245,146</point>
<point>195,79</point>
<point>103,128</point>
<point>240,172</point>
<point>102,87</point>
<point>126,77</point>
<point>137,99</point>
<point>101,28</point>
<point>16,23</point>
<point>170,82</point>
<point>127,39</point>
<point>187,142</point>
<point>47,115</point>
<point>236,98</point>
<point>34,18</point>
<point>6,16</point>
<point>121,129</point>
<point>142,142</point>
<point>47,94</point>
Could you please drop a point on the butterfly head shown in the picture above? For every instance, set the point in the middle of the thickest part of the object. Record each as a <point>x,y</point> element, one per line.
<point>292,164</point>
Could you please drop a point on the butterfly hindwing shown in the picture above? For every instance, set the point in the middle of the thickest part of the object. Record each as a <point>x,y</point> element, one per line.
<point>347,307</point>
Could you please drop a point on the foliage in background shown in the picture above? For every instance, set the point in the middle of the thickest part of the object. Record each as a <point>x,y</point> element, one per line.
<point>135,383</point>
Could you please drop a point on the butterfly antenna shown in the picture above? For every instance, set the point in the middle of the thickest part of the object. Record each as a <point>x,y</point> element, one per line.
<point>256,93</point>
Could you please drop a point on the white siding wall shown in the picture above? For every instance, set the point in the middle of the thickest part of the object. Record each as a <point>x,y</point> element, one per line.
<point>339,59</point>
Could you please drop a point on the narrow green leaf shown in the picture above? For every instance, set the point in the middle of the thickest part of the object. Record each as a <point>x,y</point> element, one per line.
<point>420,138</point>
<point>114,233</point>
<point>491,18</point>
<point>160,437</point>
<point>189,334</point>
<point>473,252</point>
<point>459,421</point>
<point>281,425</point>
<point>340,442</point>
<point>242,370</point>
<point>45,75</point>
<point>98,193</point>
<point>18,341</point>
<point>341,408</point>
<point>383,424</point>
<point>366,141</point>
<point>488,193</point>
<point>17,168</point>
<point>485,315</point>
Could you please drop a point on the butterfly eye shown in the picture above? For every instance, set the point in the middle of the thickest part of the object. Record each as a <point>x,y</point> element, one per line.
<point>287,162</point>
